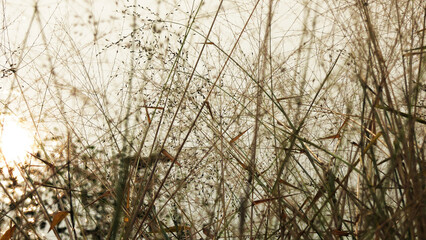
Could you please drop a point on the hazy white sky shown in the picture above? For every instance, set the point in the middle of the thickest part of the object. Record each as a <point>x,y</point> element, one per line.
<point>88,46</point>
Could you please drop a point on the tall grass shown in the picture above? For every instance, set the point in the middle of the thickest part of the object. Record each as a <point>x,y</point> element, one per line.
<point>216,120</point>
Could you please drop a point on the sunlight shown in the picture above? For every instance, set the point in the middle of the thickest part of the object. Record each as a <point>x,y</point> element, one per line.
<point>15,140</point>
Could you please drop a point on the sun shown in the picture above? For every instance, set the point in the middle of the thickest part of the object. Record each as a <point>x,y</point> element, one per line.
<point>16,140</point>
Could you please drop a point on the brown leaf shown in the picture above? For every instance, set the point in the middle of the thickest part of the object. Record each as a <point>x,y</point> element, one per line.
<point>170,157</point>
<point>147,115</point>
<point>343,124</point>
<point>339,232</point>
<point>290,97</point>
<point>314,200</point>
<point>42,160</point>
<point>240,162</point>
<point>105,194</point>
<point>264,200</point>
<point>331,137</point>
<point>237,137</point>
<point>8,234</point>
<point>207,43</point>
<point>158,108</point>
<point>288,184</point>
<point>210,109</point>
<point>414,51</point>
<point>57,218</point>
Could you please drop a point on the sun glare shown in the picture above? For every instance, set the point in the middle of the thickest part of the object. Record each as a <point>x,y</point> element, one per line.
<point>15,140</point>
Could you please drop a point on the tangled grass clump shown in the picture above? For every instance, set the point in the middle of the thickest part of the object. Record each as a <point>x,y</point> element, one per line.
<point>216,120</point>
